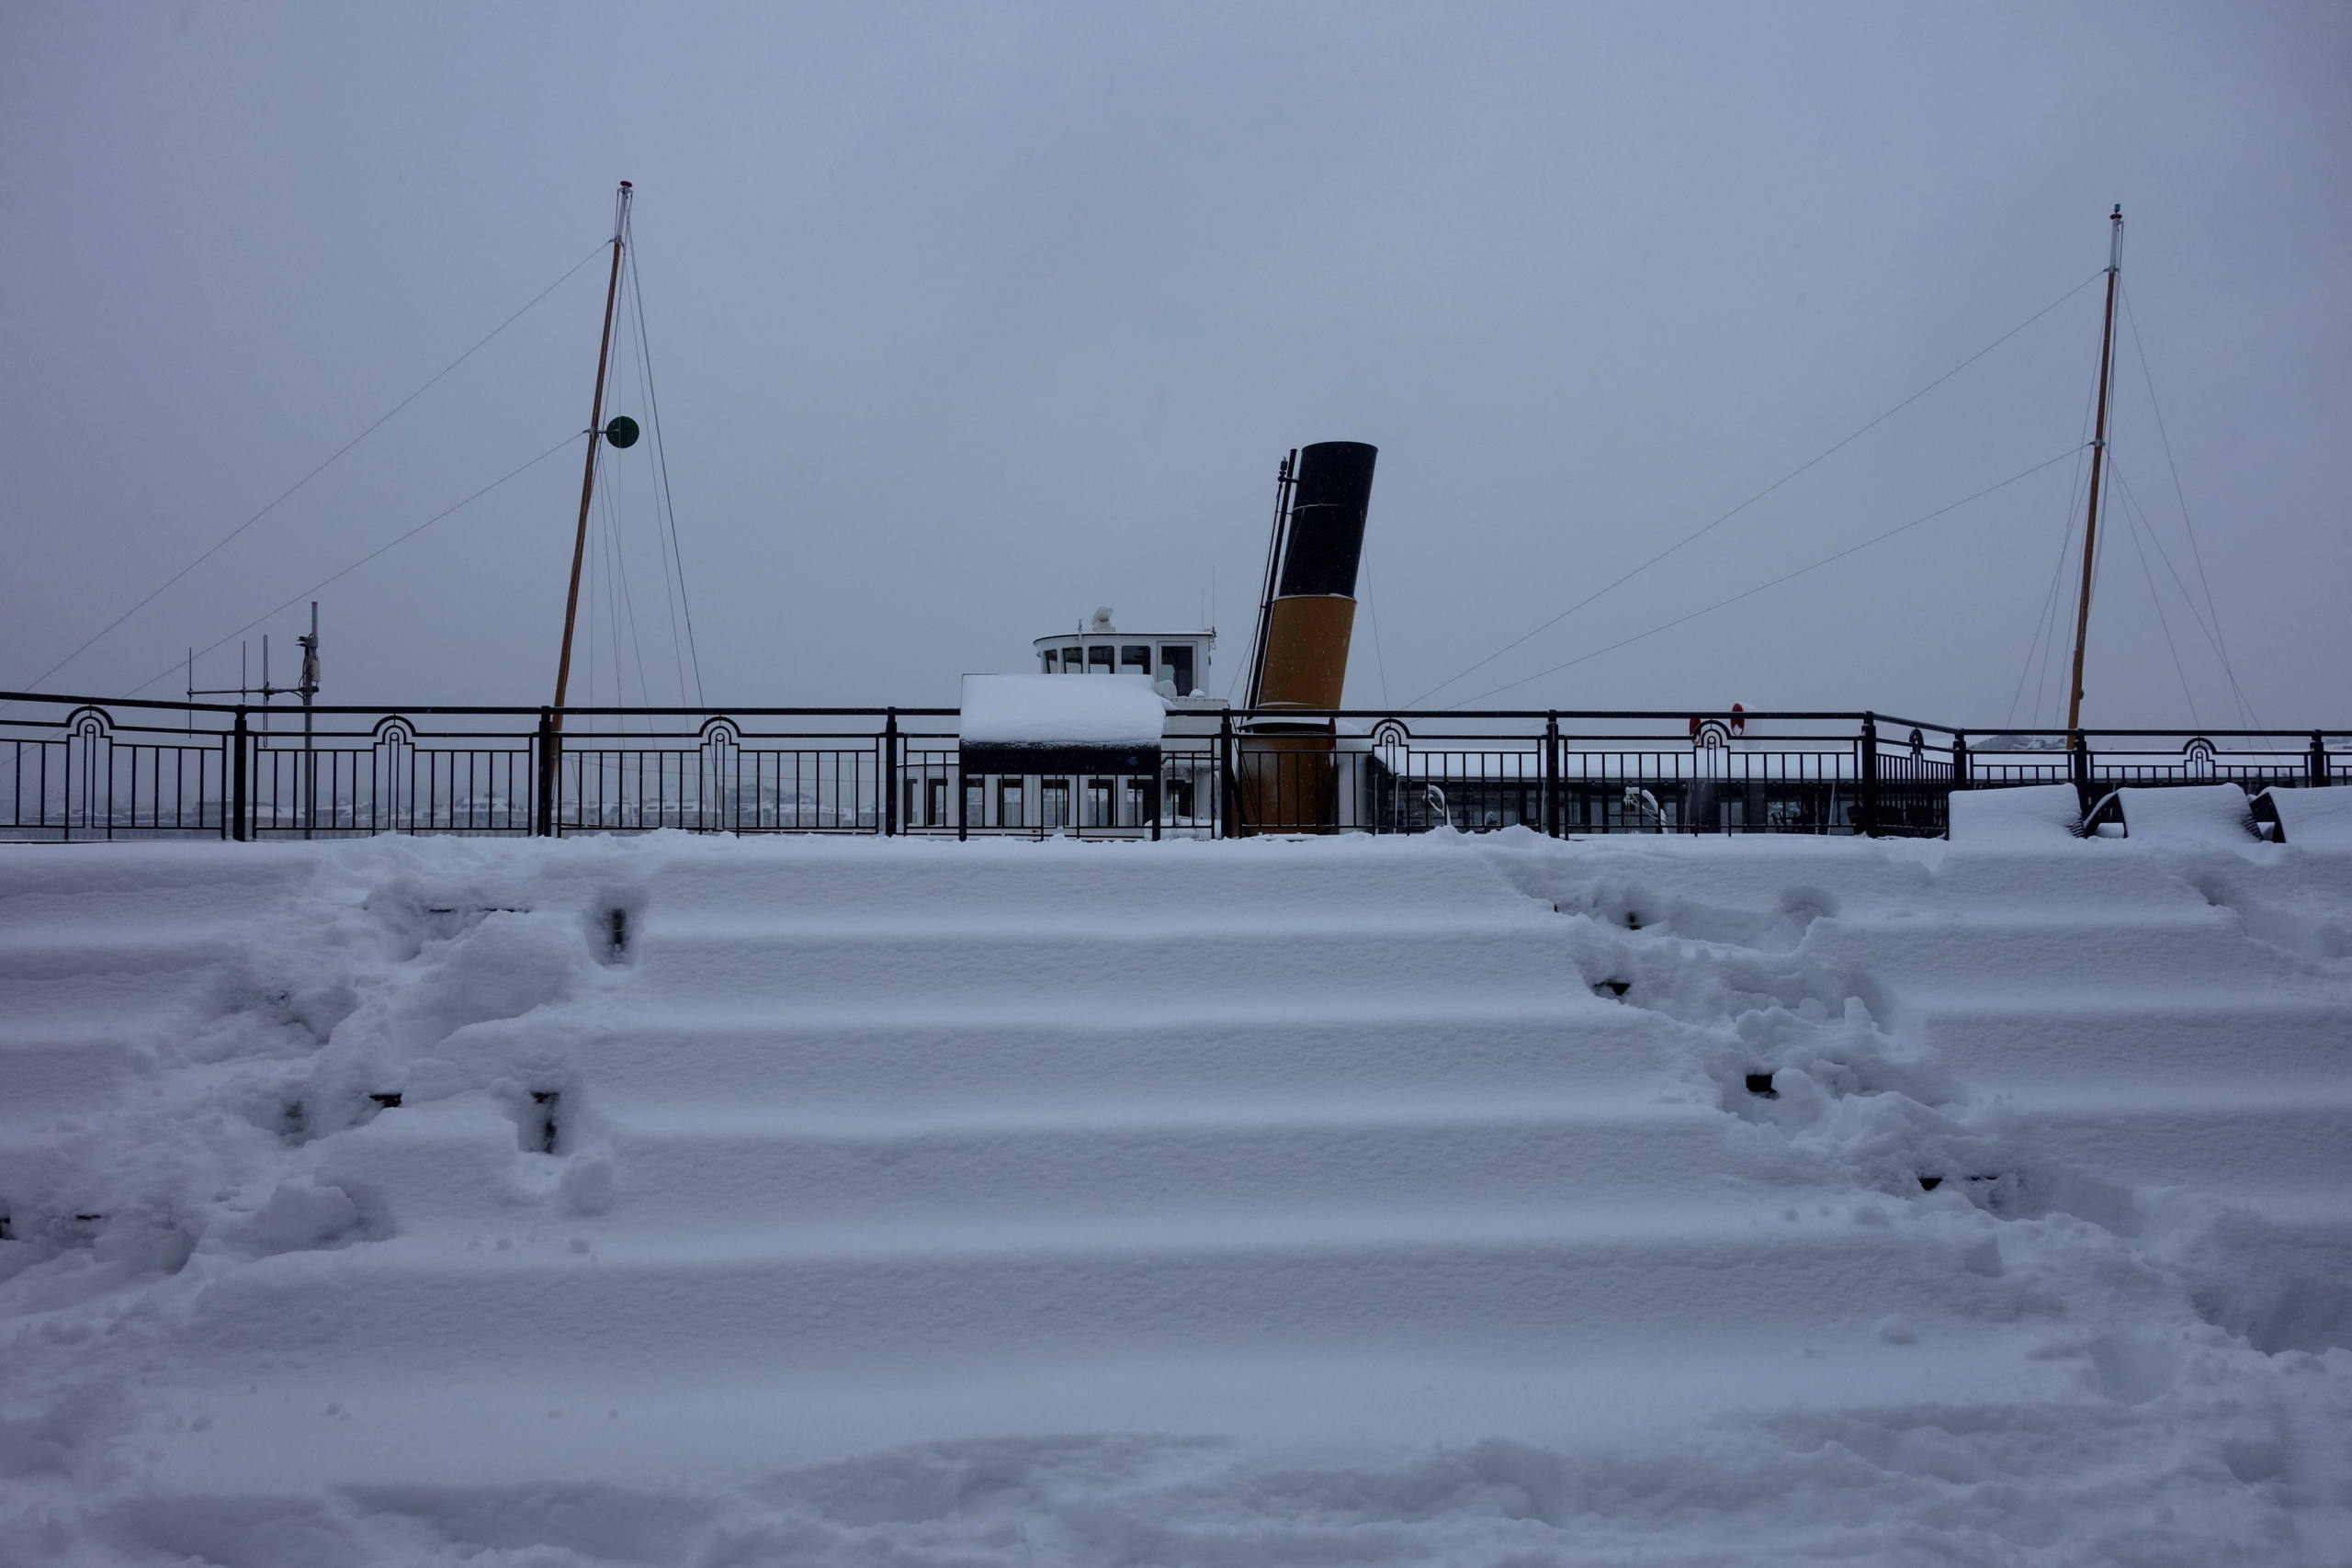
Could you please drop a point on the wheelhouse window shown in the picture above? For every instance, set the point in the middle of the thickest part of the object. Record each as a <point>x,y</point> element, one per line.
<point>1073,661</point>
<point>1052,660</point>
<point>1176,666</point>
<point>1098,659</point>
<point>1135,657</point>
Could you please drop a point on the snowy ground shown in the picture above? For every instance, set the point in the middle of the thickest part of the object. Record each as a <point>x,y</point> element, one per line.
<point>1341,1201</point>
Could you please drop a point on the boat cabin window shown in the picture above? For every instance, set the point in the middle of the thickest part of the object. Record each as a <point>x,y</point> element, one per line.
<point>1098,659</point>
<point>1073,661</point>
<point>1052,658</point>
<point>1176,666</point>
<point>1135,657</point>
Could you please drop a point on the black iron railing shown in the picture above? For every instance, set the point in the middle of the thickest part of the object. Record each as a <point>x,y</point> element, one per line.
<point>77,769</point>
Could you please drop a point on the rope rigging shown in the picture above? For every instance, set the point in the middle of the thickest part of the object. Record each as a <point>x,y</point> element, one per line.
<point>335,577</point>
<point>2146,538</point>
<point>1800,469</point>
<point>332,458</point>
<point>2045,625</point>
<point>611,614</point>
<point>2139,528</point>
<point>1785,577</point>
<point>2220,646</point>
<point>662,468</point>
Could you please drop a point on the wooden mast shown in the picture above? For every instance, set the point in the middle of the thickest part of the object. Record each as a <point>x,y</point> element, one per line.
<point>595,433</point>
<point>2098,456</point>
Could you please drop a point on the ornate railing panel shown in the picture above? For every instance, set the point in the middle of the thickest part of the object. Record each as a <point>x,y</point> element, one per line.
<point>78,769</point>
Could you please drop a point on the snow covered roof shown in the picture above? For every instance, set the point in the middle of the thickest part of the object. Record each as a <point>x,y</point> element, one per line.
<point>1051,710</point>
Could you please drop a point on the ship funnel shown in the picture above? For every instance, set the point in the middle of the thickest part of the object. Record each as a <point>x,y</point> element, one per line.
<point>1309,615</point>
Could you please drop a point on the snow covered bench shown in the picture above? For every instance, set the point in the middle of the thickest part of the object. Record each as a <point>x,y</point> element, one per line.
<point>2318,817</point>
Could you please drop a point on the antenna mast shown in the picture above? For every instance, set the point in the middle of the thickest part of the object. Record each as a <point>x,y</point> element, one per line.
<point>2098,454</point>
<point>1283,480</point>
<point>595,430</point>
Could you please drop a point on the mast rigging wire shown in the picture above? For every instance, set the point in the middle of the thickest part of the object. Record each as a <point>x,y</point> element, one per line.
<point>224,541</point>
<point>661,460</point>
<point>2220,646</point>
<point>661,542</point>
<point>2043,623</point>
<point>1785,577</point>
<point>2212,640</point>
<point>627,606</point>
<point>2139,527</point>
<point>1801,469</point>
<point>363,560</point>
<point>1380,660</point>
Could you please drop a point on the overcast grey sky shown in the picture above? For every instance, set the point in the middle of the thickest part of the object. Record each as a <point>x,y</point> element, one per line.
<point>968,319</point>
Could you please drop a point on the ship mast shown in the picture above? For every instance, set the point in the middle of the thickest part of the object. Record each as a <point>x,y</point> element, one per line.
<point>595,433</point>
<point>2098,456</point>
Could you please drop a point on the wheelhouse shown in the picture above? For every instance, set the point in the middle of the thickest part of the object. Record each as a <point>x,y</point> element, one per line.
<point>1177,663</point>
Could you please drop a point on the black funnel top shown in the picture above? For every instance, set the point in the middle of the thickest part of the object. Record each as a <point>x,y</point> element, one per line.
<point>1327,512</point>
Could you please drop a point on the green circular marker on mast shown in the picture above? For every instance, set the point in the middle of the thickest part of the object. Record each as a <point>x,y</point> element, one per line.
<point>621,431</point>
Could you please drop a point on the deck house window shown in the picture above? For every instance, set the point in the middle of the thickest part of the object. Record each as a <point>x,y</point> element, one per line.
<point>1176,666</point>
<point>1050,659</point>
<point>1053,801</point>
<point>1099,804</point>
<point>1134,658</point>
<point>1098,659</point>
<point>1009,812</point>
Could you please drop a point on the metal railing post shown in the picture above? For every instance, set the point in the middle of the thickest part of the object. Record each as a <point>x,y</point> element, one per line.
<point>1866,793</point>
<point>1552,775</point>
<point>240,803</point>
<point>543,813</point>
<point>2319,760</point>
<point>889,773</point>
<point>1959,776</point>
<point>1227,801</point>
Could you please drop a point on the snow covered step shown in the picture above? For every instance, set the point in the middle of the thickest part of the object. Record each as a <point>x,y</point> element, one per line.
<point>689,1171</point>
<point>426,1168</point>
<point>1070,881</point>
<point>47,1075</point>
<point>1122,968</point>
<point>1040,1052</point>
<point>2187,950</point>
<point>2126,1042</point>
<point>614,1435</point>
<point>100,984</point>
<point>1494,1282</point>
<point>2263,1139</point>
<point>1688,885</point>
<point>155,888</point>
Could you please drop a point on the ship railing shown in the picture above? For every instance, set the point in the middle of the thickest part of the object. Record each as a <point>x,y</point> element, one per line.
<point>74,769</point>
